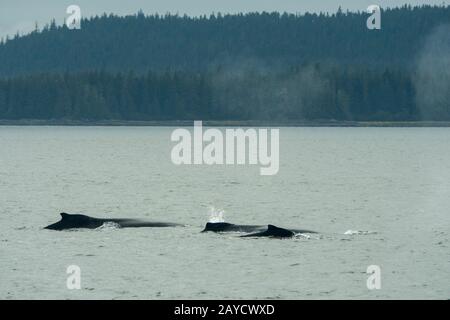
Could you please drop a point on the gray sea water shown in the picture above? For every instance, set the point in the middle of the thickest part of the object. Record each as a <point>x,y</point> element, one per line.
<point>392,182</point>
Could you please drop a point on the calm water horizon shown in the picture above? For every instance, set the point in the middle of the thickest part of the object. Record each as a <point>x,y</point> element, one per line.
<point>376,196</point>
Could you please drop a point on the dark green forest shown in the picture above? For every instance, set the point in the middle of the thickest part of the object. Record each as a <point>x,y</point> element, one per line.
<point>267,66</point>
<point>309,92</point>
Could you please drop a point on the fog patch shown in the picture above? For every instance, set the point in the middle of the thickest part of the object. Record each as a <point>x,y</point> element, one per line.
<point>250,89</point>
<point>432,79</point>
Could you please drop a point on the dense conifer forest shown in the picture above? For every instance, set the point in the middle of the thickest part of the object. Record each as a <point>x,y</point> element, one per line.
<point>256,66</point>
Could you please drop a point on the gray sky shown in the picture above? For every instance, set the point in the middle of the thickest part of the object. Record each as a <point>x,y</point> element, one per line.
<point>21,15</point>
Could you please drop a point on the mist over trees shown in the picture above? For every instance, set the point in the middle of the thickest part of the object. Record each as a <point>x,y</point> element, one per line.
<point>266,66</point>
<point>308,92</point>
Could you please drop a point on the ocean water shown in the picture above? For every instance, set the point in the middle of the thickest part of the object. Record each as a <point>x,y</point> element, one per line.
<point>377,196</point>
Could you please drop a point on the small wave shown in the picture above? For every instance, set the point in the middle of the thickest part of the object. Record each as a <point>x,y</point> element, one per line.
<point>358,232</point>
<point>216,215</point>
<point>109,226</point>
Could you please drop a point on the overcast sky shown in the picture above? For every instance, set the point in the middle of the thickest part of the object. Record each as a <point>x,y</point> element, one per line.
<point>21,15</point>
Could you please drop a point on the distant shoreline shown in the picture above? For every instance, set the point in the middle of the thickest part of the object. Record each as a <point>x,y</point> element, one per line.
<point>223,123</point>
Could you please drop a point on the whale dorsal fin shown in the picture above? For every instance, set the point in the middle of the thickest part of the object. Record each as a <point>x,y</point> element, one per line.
<point>64,215</point>
<point>272,227</point>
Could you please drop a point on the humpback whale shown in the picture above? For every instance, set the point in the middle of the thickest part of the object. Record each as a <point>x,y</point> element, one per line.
<point>229,227</point>
<point>272,231</point>
<point>77,221</point>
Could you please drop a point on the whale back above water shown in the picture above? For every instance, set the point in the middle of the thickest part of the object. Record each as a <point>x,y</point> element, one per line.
<point>272,231</point>
<point>80,221</point>
<point>259,230</point>
<point>229,227</point>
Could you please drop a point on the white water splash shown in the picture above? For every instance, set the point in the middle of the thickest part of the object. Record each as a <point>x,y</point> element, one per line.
<point>302,236</point>
<point>109,226</point>
<point>358,232</point>
<point>216,215</point>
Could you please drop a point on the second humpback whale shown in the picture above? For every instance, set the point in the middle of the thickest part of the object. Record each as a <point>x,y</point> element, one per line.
<point>261,231</point>
<point>273,232</point>
<point>229,227</point>
<point>77,221</point>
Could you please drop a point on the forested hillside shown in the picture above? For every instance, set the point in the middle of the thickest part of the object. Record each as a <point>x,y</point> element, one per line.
<point>245,66</point>
<point>310,92</point>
